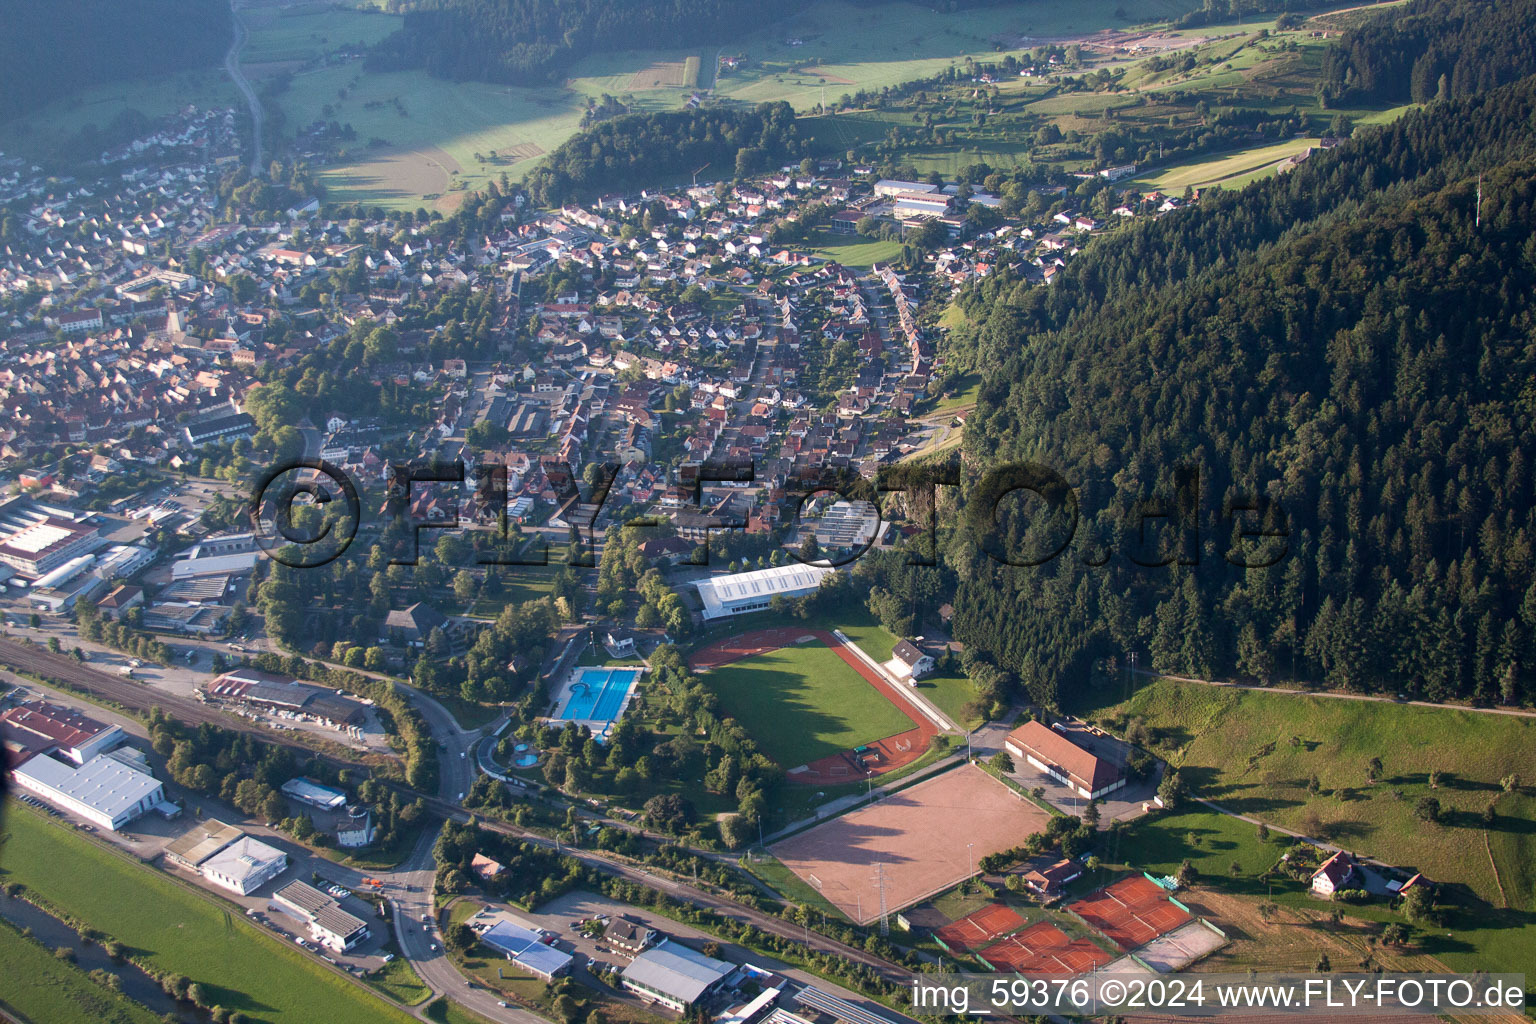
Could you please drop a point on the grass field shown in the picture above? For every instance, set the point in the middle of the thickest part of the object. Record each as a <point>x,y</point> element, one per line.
<point>803,703</point>
<point>851,250</point>
<point>1229,168</point>
<point>1254,753</point>
<point>400,982</point>
<point>39,987</point>
<point>172,929</point>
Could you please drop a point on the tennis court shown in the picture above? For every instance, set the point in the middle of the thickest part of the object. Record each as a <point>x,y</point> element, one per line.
<point>978,929</point>
<point>911,844</point>
<point>1180,947</point>
<point>1132,912</point>
<point>1044,948</point>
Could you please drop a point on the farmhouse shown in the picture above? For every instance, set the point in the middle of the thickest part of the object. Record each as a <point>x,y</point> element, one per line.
<point>329,925</point>
<point>752,591</point>
<point>675,976</point>
<point>628,936</point>
<point>486,868</point>
<point>103,791</point>
<point>1333,874</point>
<point>1057,756</point>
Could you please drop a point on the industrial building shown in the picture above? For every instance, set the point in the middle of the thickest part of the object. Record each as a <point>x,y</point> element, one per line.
<point>200,842</point>
<point>314,794</point>
<point>244,866</point>
<point>329,925</point>
<point>103,791</point>
<point>230,554</point>
<point>526,948</point>
<point>38,727</point>
<point>745,592</point>
<point>38,548</point>
<point>675,976</point>
<point>286,695</point>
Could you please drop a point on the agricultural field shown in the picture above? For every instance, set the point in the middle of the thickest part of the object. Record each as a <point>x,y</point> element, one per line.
<point>173,929</point>
<point>1232,169</point>
<point>803,703</point>
<point>1258,753</point>
<point>41,987</point>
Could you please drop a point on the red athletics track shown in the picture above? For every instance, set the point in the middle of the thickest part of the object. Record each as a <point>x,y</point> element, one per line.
<point>887,754</point>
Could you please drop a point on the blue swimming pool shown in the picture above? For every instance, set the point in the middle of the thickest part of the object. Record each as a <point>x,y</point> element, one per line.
<point>598,694</point>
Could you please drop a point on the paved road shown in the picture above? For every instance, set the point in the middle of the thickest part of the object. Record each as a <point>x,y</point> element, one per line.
<point>232,66</point>
<point>1513,712</point>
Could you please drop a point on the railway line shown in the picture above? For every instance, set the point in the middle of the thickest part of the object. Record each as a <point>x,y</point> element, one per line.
<point>41,662</point>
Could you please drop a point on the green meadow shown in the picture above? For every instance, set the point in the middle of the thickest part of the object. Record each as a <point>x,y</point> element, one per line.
<point>173,929</point>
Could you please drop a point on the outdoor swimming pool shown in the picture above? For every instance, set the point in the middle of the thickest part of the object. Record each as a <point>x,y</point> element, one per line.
<point>598,694</point>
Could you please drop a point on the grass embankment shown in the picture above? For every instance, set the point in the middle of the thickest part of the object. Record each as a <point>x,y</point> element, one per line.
<point>1256,753</point>
<point>174,929</point>
<point>39,987</point>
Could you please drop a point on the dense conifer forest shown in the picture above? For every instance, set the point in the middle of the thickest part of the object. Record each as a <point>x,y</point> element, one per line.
<point>1430,49</point>
<point>531,42</point>
<point>1346,341</point>
<point>616,154</point>
<point>102,41</point>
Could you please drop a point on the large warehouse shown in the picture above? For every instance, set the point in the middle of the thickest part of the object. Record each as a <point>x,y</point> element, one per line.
<point>104,790</point>
<point>744,592</point>
<point>38,727</point>
<point>675,976</point>
<point>284,694</point>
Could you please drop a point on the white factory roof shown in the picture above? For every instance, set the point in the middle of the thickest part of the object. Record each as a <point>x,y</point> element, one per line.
<point>243,858</point>
<point>102,783</point>
<point>38,536</point>
<point>677,971</point>
<point>719,591</point>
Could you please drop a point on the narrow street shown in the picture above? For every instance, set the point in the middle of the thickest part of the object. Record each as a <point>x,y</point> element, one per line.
<point>232,67</point>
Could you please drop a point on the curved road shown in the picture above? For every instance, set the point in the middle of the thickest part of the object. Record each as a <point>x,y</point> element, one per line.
<point>232,66</point>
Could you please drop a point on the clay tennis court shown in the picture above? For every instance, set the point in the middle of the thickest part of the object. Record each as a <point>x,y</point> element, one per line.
<point>1132,912</point>
<point>878,756</point>
<point>978,929</point>
<point>920,835</point>
<point>1045,949</point>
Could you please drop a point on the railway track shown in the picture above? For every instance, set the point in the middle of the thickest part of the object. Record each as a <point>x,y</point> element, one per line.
<point>136,697</point>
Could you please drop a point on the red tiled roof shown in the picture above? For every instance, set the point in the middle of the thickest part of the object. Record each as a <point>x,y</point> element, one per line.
<point>1050,747</point>
<point>53,723</point>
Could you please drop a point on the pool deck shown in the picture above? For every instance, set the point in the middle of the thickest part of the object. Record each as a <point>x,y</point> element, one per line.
<point>600,727</point>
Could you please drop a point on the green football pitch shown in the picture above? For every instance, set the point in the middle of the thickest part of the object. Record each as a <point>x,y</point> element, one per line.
<point>804,703</point>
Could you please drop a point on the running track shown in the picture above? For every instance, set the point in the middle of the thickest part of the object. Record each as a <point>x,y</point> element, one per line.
<point>890,753</point>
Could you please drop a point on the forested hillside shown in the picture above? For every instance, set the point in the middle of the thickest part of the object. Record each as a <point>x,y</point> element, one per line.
<point>1432,48</point>
<point>529,42</point>
<point>1346,340</point>
<point>48,50</point>
<point>626,152</point>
